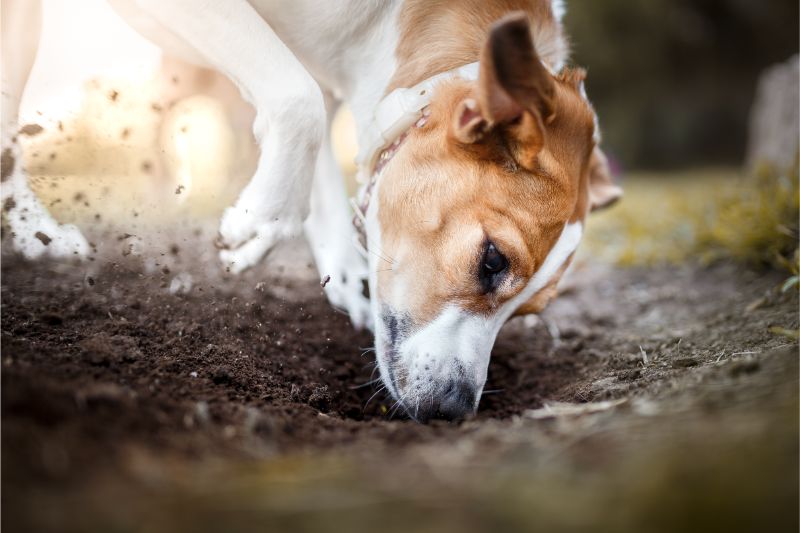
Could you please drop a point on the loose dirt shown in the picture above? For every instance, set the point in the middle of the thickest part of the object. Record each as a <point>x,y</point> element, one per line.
<point>132,403</point>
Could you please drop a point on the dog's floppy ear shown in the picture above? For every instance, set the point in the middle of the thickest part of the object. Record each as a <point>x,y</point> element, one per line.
<point>515,92</point>
<point>603,192</point>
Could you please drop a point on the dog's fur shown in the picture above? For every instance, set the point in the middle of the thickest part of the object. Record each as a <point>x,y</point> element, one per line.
<point>510,158</point>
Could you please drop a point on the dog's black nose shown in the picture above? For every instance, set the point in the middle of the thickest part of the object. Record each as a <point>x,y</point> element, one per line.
<point>457,400</point>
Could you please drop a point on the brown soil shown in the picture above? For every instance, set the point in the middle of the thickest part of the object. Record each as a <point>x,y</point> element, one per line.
<point>105,373</point>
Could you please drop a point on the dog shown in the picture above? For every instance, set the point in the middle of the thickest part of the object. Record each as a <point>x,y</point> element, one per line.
<point>479,158</point>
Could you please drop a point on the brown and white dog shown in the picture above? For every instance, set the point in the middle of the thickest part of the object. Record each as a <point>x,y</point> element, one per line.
<point>479,154</point>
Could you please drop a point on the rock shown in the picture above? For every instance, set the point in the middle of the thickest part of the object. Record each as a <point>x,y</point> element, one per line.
<point>774,138</point>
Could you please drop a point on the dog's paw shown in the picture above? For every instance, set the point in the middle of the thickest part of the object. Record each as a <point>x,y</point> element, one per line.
<point>346,293</point>
<point>239,224</point>
<point>343,276</point>
<point>45,237</point>
<point>261,239</point>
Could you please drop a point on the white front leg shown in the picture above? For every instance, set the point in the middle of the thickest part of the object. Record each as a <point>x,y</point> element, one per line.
<point>34,232</point>
<point>289,123</point>
<point>330,233</point>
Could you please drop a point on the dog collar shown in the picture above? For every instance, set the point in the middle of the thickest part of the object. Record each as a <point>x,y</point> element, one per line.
<point>394,116</point>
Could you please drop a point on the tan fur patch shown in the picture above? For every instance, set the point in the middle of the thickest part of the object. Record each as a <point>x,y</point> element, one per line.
<point>439,35</point>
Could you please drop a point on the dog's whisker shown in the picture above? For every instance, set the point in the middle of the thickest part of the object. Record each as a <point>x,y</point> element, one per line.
<point>380,390</point>
<point>367,384</point>
<point>397,405</point>
<point>494,391</point>
<point>375,369</point>
<point>340,311</point>
<point>381,257</point>
<point>384,255</point>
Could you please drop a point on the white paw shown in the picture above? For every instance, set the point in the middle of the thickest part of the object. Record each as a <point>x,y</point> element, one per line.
<point>345,290</point>
<point>59,242</point>
<point>35,234</point>
<point>239,224</point>
<point>260,240</point>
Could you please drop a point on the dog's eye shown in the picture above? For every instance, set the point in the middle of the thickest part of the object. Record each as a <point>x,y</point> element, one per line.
<point>493,264</point>
<point>493,261</point>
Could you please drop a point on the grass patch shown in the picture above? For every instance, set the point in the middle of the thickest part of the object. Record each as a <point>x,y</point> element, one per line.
<point>701,215</point>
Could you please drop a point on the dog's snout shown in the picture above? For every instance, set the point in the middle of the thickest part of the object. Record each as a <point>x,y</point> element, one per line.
<point>456,401</point>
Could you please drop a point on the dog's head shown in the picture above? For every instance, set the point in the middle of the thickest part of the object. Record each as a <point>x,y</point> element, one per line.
<point>476,218</point>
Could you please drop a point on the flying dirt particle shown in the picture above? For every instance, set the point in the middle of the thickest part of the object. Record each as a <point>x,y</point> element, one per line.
<point>175,80</point>
<point>125,133</point>
<point>113,95</point>
<point>79,197</point>
<point>31,129</point>
<point>184,129</point>
<point>174,249</point>
<point>52,156</point>
<point>179,189</point>
<point>147,166</point>
<point>60,126</point>
<point>43,237</point>
<point>6,164</point>
<point>324,281</point>
<point>9,204</point>
<point>97,216</point>
<point>125,236</point>
<point>156,107</point>
<point>90,281</point>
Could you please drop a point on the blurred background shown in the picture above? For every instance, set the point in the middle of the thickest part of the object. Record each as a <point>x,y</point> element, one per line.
<point>673,81</point>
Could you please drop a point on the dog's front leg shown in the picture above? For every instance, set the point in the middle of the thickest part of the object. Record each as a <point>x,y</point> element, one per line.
<point>329,231</point>
<point>289,124</point>
<point>34,232</point>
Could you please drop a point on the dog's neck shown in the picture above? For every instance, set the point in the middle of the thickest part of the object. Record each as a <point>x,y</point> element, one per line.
<point>414,40</point>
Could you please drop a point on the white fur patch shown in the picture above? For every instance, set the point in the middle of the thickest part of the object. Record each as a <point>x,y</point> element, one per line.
<point>559,9</point>
<point>596,136</point>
